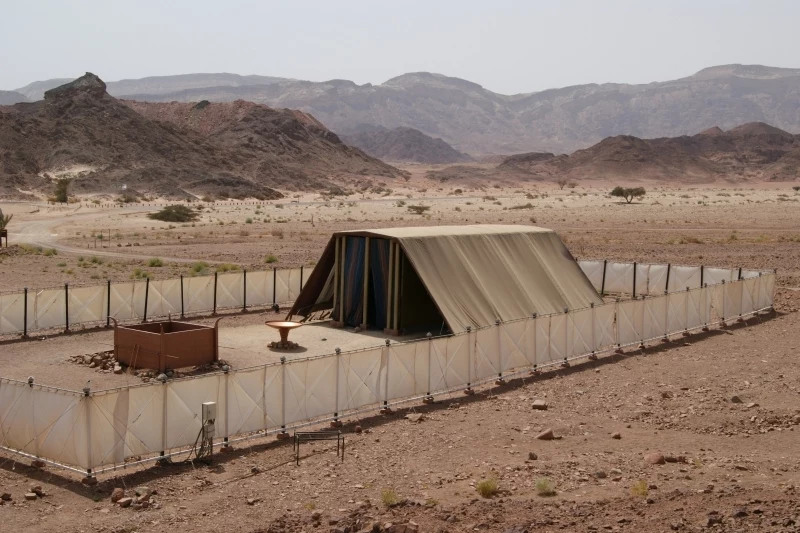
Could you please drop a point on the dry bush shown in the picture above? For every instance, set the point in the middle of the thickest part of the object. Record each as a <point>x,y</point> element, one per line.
<point>487,487</point>
<point>545,487</point>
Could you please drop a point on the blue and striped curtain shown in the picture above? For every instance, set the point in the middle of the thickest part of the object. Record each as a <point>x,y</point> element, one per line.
<point>354,280</point>
<point>379,270</point>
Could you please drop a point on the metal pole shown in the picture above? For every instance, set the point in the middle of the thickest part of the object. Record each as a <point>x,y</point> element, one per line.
<point>244,290</point>
<point>66,305</point>
<point>702,274</point>
<point>603,284</point>
<point>301,278</point>
<point>214,311</point>
<point>25,315</point>
<point>108,303</point>
<point>634,279</point>
<point>740,273</point>
<point>666,287</point>
<point>182,315</point>
<point>146,297</point>
<point>274,285</point>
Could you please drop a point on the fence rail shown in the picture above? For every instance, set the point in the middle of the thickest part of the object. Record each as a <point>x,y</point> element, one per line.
<point>95,431</point>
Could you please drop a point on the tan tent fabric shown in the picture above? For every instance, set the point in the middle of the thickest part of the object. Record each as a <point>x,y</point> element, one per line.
<point>482,273</point>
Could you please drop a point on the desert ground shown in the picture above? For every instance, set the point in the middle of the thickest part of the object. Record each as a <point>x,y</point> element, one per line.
<point>727,465</point>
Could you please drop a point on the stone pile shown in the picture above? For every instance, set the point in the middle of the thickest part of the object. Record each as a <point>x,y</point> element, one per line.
<point>102,362</point>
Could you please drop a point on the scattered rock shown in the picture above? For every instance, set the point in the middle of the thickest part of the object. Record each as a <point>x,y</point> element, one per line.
<point>654,459</point>
<point>6,497</point>
<point>415,417</point>
<point>117,368</point>
<point>90,481</point>
<point>30,496</point>
<point>37,489</point>
<point>666,395</point>
<point>617,435</point>
<point>736,399</point>
<point>117,494</point>
<point>253,501</point>
<point>539,405</point>
<point>547,434</point>
<point>600,474</point>
<point>358,429</point>
<point>125,502</point>
<point>532,456</point>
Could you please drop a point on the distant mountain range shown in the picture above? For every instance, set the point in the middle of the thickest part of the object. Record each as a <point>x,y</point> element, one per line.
<point>752,152</point>
<point>236,149</point>
<point>475,120</point>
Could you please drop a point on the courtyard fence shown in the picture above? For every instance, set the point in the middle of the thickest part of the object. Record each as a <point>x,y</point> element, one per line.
<point>69,307</point>
<point>94,431</point>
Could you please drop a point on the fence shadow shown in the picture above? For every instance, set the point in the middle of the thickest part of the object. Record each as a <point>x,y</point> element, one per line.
<point>140,474</point>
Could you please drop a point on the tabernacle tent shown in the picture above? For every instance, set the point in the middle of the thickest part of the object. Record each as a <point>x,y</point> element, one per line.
<point>443,278</point>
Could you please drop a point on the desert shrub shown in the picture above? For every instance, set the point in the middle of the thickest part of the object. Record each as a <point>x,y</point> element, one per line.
<point>487,487</point>
<point>248,220</point>
<point>526,206</point>
<point>174,213</point>
<point>270,259</point>
<point>640,488</point>
<point>418,209</point>
<point>545,487</point>
<point>138,273</point>
<point>277,232</point>
<point>389,497</point>
<point>199,268</point>
<point>155,262</point>
<point>50,252</point>
<point>796,188</point>
<point>400,203</point>
<point>629,193</point>
<point>458,191</point>
<point>227,267</point>
<point>562,182</point>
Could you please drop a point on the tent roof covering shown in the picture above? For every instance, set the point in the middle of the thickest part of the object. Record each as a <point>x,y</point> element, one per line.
<point>478,274</point>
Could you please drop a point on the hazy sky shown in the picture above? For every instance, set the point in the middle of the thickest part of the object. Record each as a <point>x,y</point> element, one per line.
<point>506,46</point>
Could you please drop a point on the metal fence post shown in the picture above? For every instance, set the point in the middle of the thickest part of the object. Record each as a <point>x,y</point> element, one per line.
<point>666,287</point>
<point>146,297</point>
<point>274,285</point>
<point>244,291</point>
<point>634,280</point>
<point>25,314</point>
<point>66,306</point>
<point>603,283</point>
<point>301,277</point>
<point>108,303</point>
<point>182,313</point>
<point>214,311</point>
<point>702,275</point>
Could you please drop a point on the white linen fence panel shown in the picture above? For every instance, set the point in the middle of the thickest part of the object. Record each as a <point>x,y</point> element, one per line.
<point>593,271</point>
<point>619,278</point>
<point>108,427</point>
<point>259,287</point>
<point>50,309</point>
<point>12,313</point>
<point>87,304</point>
<point>230,290</point>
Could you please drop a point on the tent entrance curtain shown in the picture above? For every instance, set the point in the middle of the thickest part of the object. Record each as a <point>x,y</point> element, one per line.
<point>378,282</point>
<point>354,280</point>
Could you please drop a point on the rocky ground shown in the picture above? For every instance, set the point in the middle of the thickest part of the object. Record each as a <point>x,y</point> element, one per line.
<point>697,435</point>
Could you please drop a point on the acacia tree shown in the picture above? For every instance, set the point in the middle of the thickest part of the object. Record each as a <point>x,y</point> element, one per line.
<point>629,193</point>
<point>62,190</point>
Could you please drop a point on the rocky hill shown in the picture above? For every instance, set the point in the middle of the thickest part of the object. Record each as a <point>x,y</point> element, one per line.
<point>242,150</point>
<point>473,119</point>
<point>753,151</point>
<point>404,144</point>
